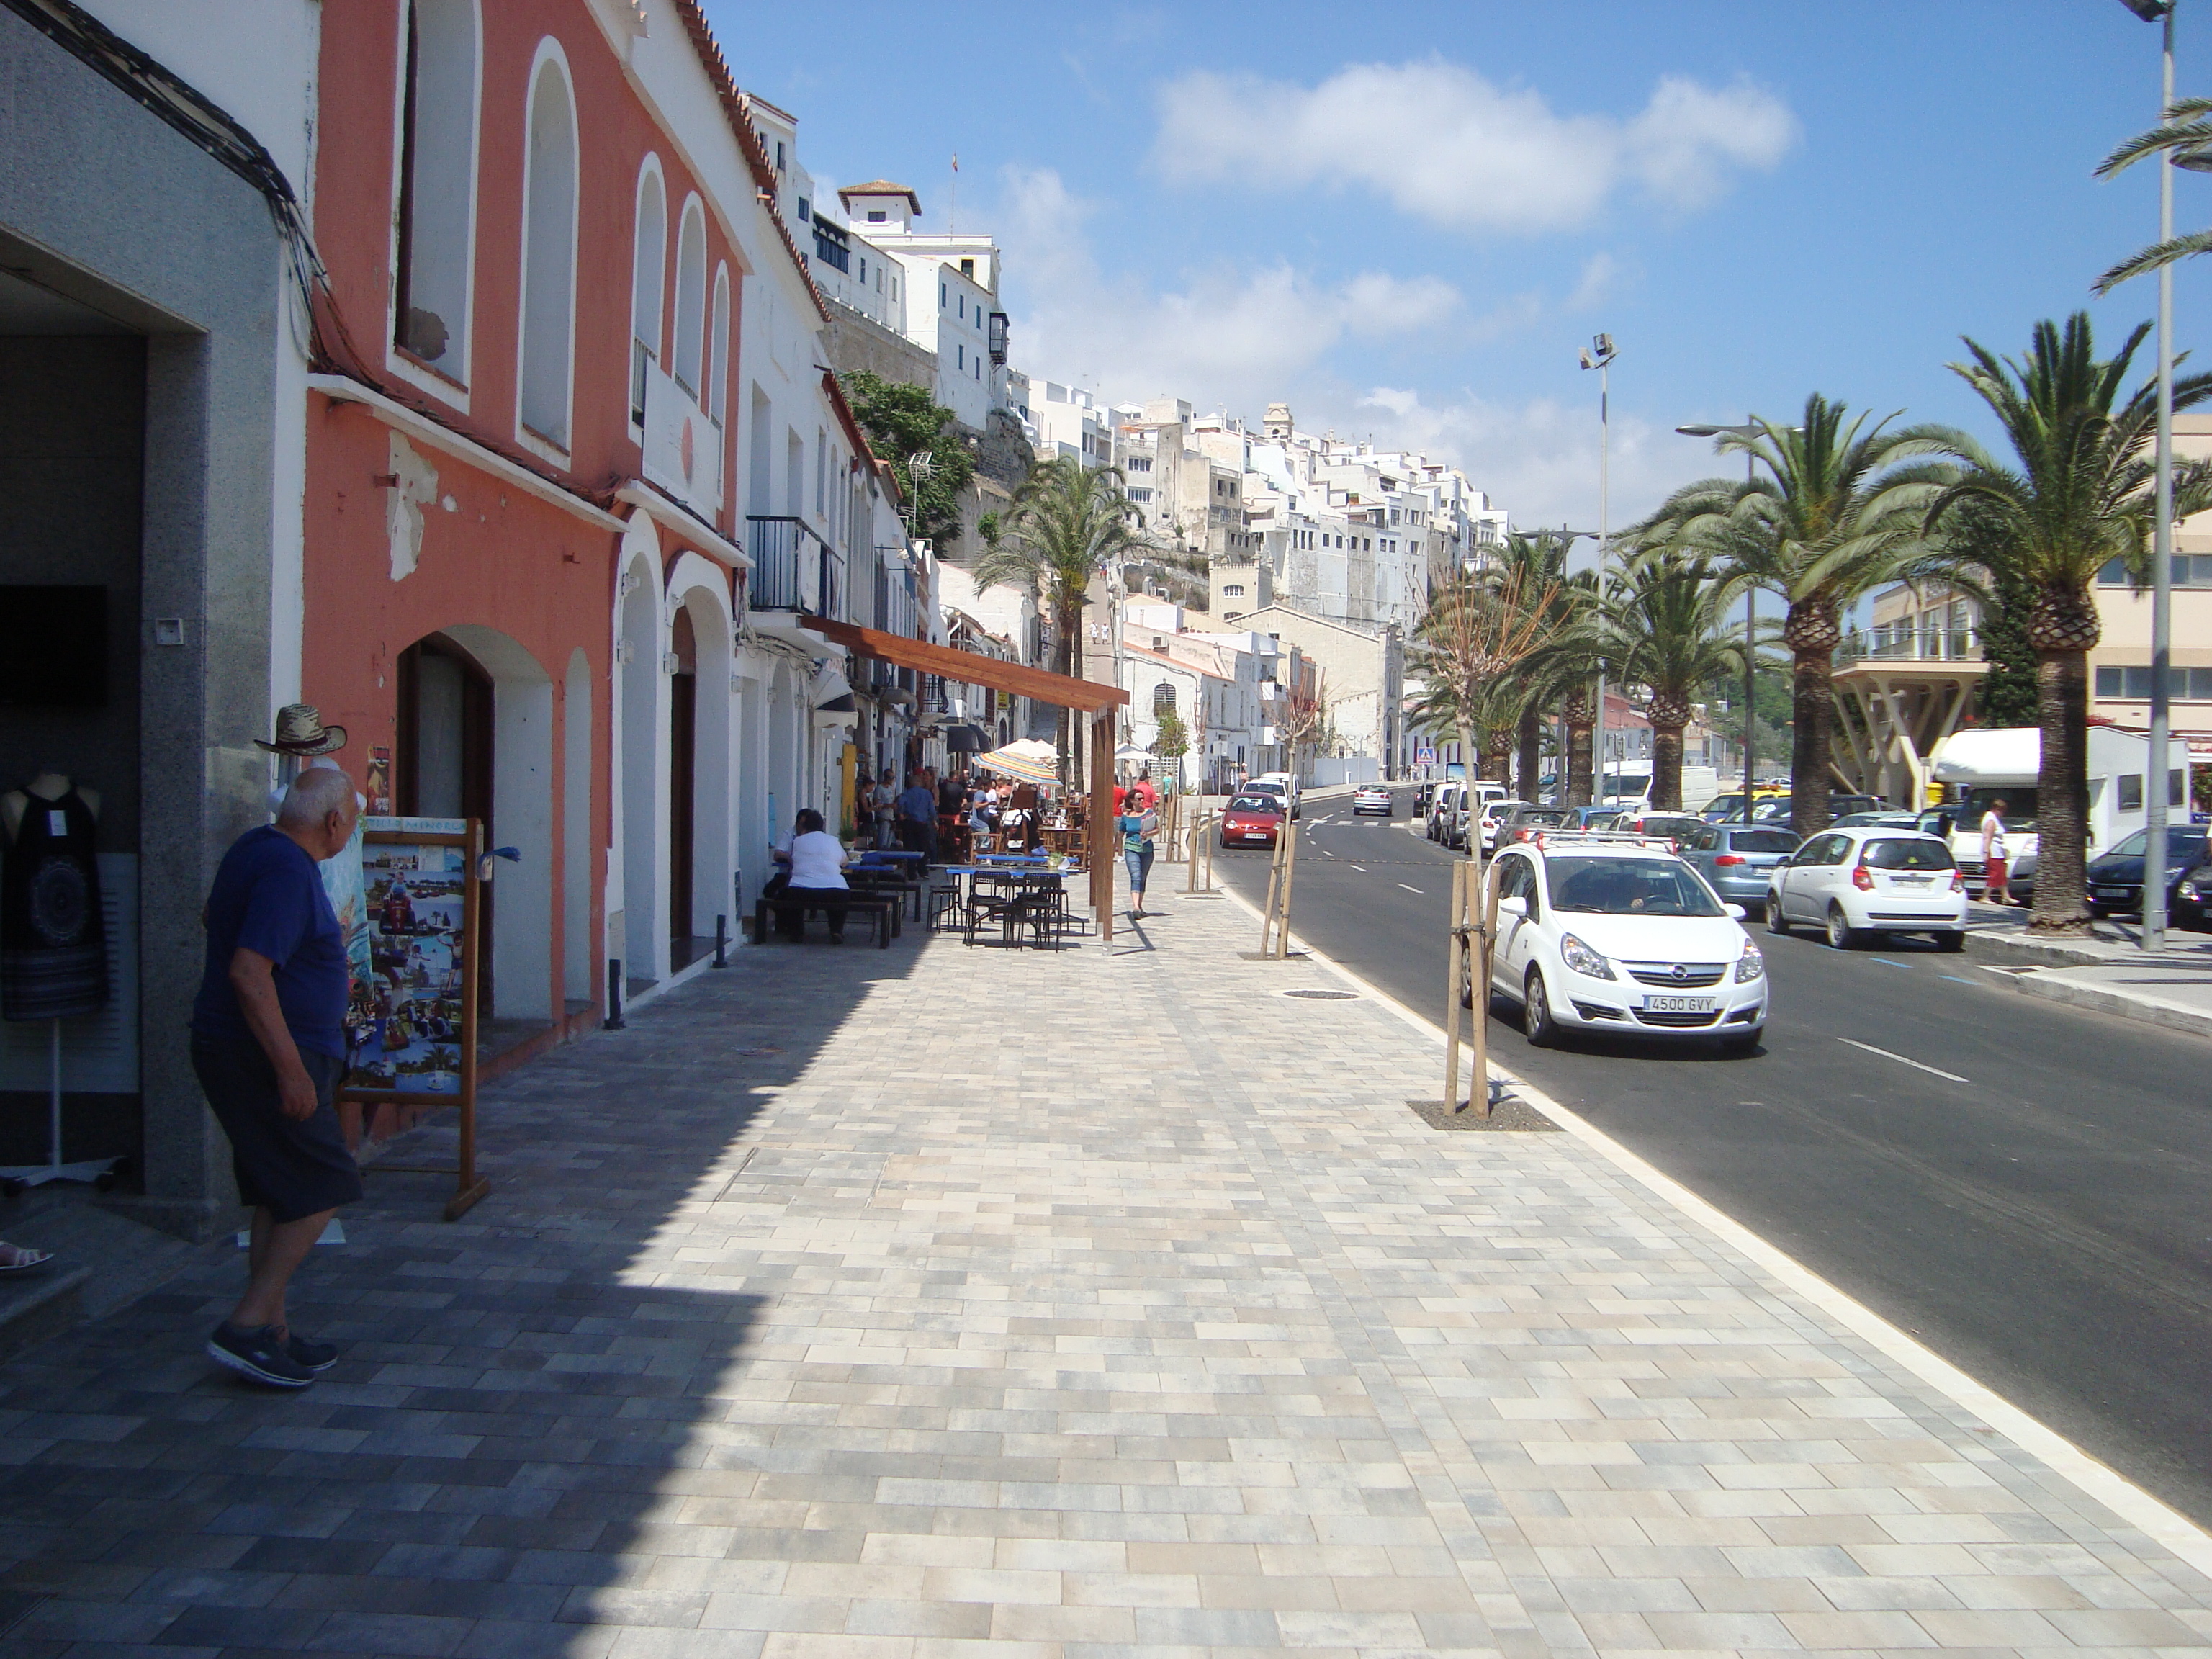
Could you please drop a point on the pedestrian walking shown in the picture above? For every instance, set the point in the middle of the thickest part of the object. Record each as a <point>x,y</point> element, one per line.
<point>268,1044</point>
<point>1137,825</point>
<point>1995,853</point>
<point>917,816</point>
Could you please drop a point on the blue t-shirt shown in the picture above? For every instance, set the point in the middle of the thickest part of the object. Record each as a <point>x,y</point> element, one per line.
<point>268,898</point>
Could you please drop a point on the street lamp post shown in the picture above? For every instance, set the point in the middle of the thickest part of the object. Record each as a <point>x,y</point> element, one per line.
<point>1748,431</point>
<point>1599,357</point>
<point>2161,581</point>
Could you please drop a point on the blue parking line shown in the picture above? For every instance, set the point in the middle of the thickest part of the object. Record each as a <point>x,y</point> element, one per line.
<point>1955,979</point>
<point>1887,962</point>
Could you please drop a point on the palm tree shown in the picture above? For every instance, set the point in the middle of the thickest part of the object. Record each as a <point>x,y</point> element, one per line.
<point>1530,564</point>
<point>1068,526</point>
<point>2187,134</point>
<point>1663,630</point>
<point>2077,496</point>
<point>1478,632</point>
<point>1836,516</point>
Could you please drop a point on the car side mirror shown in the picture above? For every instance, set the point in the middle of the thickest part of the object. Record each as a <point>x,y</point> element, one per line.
<point>1512,907</point>
<point>1737,912</point>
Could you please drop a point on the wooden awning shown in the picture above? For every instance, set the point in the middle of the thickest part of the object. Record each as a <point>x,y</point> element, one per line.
<point>971,667</point>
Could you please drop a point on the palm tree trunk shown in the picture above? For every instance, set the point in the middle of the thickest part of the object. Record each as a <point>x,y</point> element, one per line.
<point>1063,644</point>
<point>1078,725</point>
<point>1666,767</point>
<point>1580,738</point>
<point>1813,631</point>
<point>1499,741</point>
<point>2062,627</point>
<point>1532,750</point>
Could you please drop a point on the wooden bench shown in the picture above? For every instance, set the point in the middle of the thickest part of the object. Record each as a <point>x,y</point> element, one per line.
<point>883,909</point>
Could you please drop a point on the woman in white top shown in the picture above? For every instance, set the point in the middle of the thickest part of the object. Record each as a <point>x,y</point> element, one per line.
<point>816,861</point>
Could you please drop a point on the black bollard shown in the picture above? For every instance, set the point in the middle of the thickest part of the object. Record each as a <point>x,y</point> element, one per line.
<point>721,941</point>
<point>614,994</point>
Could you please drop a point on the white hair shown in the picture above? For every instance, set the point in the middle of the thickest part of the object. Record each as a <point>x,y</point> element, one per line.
<point>314,795</point>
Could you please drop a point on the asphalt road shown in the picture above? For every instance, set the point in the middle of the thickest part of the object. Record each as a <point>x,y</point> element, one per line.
<point>2044,1224</point>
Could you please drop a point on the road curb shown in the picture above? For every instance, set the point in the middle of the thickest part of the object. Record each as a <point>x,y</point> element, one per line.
<point>2007,944</point>
<point>2129,1005</point>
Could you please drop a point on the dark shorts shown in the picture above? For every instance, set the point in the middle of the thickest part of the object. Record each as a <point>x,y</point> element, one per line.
<point>286,1167</point>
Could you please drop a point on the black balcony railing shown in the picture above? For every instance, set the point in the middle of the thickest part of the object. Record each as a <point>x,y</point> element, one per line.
<point>935,698</point>
<point>794,569</point>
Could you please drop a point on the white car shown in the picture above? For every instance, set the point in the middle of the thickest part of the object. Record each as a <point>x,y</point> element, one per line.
<point>1444,809</point>
<point>1277,783</point>
<point>1373,798</point>
<point>1606,934</point>
<point>1854,883</point>
<point>1493,812</point>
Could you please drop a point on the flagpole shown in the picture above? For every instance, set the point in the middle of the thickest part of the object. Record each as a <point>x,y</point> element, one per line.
<point>952,212</point>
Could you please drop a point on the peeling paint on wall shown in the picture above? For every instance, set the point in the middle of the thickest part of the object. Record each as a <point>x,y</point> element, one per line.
<point>414,485</point>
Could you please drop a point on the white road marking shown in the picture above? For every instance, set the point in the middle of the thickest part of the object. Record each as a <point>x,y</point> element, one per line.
<point>1361,868</point>
<point>1410,890</point>
<point>1901,1060</point>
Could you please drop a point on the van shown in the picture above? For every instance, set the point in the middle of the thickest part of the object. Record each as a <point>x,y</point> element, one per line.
<point>1977,769</point>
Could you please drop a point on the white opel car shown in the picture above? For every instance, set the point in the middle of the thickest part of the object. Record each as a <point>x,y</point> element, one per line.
<point>1607,933</point>
<point>1856,882</point>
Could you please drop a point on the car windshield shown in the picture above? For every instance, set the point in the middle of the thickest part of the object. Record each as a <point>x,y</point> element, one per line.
<point>1540,815</point>
<point>1255,804</point>
<point>1629,887</point>
<point>1906,853</point>
<point>1671,826</point>
<point>2020,807</point>
<point>1761,841</point>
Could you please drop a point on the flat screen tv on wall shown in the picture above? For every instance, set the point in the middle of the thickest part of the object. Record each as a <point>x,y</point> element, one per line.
<point>54,648</point>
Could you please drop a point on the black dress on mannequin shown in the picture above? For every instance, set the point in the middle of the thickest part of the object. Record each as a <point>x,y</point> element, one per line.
<point>53,939</point>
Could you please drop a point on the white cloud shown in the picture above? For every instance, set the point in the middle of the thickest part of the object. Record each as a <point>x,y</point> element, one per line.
<point>1226,334</point>
<point>1444,144</point>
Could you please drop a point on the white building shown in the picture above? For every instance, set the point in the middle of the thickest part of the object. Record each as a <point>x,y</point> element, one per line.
<point>950,284</point>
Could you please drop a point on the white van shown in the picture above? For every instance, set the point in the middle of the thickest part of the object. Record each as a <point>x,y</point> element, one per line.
<point>1979,768</point>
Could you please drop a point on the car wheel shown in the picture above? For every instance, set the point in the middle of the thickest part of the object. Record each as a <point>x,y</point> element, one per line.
<point>1777,923</point>
<point>1742,1042</point>
<point>1950,939</point>
<point>1842,936</point>
<point>1536,1022</point>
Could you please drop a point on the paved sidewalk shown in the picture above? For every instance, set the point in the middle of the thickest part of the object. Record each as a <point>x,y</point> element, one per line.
<point>883,1303</point>
<point>2108,971</point>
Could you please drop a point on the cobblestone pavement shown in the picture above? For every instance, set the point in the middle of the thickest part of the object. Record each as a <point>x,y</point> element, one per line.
<point>885,1304</point>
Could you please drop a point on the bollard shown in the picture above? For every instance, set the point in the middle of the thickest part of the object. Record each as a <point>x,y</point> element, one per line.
<point>614,994</point>
<point>721,941</point>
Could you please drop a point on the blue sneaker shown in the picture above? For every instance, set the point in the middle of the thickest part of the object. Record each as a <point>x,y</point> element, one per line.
<point>259,1354</point>
<point>315,1356</point>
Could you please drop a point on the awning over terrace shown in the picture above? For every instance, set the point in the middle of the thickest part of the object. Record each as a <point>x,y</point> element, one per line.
<point>973,668</point>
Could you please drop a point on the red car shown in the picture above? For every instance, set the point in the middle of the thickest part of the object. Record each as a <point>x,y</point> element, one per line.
<point>1251,821</point>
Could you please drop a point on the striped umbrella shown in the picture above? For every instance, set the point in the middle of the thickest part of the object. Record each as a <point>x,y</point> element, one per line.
<point>1018,766</point>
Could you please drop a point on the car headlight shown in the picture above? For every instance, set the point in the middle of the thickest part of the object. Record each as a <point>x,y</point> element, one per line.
<point>1583,960</point>
<point>1750,965</point>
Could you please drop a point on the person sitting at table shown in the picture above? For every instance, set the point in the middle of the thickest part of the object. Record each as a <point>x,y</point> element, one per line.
<point>917,818</point>
<point>812,863</point>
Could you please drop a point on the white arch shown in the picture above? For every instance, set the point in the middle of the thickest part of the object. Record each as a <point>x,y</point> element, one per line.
<point>691,297</point>
<point>649,274</point>
<point>717,351</point>
<point>701,588</point>
<point>635,881</point>
<point>523,984</point>
<point>546,319</point>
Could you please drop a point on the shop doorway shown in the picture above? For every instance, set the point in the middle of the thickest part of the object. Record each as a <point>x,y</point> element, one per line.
<point>683,777</point>
<point>443,767</point>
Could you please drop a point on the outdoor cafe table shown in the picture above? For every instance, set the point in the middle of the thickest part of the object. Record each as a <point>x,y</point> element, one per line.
<point>1025,877</point>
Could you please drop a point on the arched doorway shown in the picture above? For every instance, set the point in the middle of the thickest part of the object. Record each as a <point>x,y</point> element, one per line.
<point>443,767</point>
<point>682,775</point>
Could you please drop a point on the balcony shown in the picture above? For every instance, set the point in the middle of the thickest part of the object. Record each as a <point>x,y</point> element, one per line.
<point>1905,644</point>
<point>795,573</point>
<point>683,444</point>
<point>936,697</point>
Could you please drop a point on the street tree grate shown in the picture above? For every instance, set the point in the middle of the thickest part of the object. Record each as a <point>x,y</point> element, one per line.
<point>1506,1114</point>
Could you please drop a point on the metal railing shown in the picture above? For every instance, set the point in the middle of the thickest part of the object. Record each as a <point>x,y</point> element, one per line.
<point>1912,645</point>
<point>936,699</point>
<point>794,568</point>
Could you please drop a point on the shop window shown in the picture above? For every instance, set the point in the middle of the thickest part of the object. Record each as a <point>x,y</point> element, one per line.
<point>646,268</point>
<point>437,186</point>
<point>548,252</point>
<point>691,298</point>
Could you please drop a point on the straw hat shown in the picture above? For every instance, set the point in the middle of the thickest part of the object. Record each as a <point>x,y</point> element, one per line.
<point>300,731</point>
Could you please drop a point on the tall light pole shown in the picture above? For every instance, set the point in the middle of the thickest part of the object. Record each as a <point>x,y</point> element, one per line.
<point>1748,431</point>
<point>1599,357</point>
<point>2161,580</point>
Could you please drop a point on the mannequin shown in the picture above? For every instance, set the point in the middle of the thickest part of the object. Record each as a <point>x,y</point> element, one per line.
<point>47,785</point>
<point>53,943</point>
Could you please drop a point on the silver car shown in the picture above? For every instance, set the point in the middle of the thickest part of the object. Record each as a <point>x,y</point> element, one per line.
<point>1737,860</point>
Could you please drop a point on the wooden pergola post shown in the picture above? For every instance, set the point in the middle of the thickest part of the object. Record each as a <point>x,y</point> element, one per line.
<point>1102,822</point>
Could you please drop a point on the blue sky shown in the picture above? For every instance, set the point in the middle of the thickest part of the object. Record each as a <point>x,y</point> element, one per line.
<point>1406,219</point>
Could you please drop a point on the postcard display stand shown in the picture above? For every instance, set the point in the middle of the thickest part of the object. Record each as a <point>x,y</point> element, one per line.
<point>413,1026</point>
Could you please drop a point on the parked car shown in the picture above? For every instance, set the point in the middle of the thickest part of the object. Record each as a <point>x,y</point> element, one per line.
<point>1494,813</point>
<point>1442,805</point>
<point>1857,882</point>
<point>1779,809</point>
<point>1721,808</point>
<point>1595,818</point>
<point>1673,825</point>
<point>1598,935</point>
<point>1373,798</point>
<point>1737,860</point>
<point>1422,797</point>
<point>1251,819</point>
<point>1525,822</point>
<point>1876,821</point>
<point>2116,880</point>
<point>1466,811</point>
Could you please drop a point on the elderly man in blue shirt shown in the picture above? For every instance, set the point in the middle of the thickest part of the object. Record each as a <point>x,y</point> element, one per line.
<point>917,816</point>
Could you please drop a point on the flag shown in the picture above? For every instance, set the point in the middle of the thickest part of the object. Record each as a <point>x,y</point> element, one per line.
<point>956,161</point>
